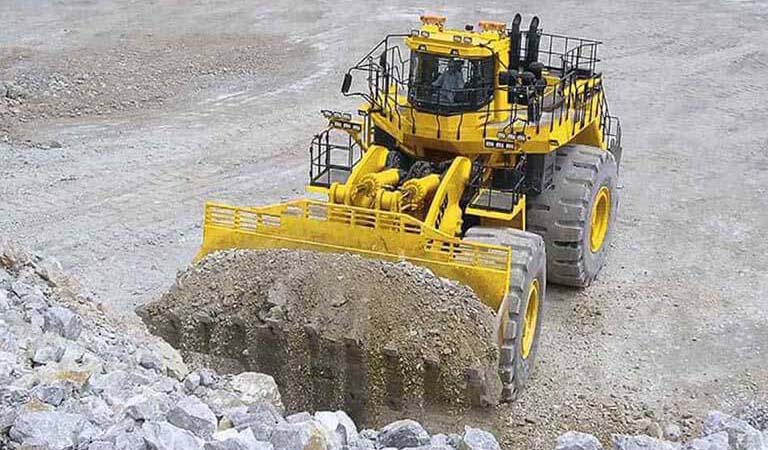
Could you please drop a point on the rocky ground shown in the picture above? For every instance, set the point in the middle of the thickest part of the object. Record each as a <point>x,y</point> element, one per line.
<point>118,119</point>
<point>73,377</point>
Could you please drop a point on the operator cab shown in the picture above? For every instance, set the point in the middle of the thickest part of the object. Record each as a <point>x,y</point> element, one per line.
<point>450,85</point>
<point>451,71</point>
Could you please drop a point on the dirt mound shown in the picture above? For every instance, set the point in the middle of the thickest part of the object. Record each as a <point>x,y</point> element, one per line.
<point>336,331</point>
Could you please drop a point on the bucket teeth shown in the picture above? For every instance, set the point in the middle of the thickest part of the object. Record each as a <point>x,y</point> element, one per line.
<point>356,381</point>
<point>327,360</point>
<point>268,348</point>
<point>433,389</point>
<point>483,387</point>
<point>394,377</point>
<point>173,327</point>
<point>474,385</point>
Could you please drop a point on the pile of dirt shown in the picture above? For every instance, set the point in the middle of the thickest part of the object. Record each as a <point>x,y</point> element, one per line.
<point>336,331</point>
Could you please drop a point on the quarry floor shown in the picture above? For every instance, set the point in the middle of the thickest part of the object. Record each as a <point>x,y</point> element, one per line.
<point>124,117</point>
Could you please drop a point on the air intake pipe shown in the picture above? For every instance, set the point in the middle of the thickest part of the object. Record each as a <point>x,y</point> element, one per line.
<point>515,42</point>
<point>532,39</point>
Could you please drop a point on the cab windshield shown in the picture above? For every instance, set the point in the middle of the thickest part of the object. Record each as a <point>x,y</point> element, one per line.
<point>450,85</point>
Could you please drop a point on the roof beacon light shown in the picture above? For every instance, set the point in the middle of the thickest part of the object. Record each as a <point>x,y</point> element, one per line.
<point>438,21</point>
<point>487,25</point>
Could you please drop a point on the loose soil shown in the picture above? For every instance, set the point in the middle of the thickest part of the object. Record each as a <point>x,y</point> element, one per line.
<point>337,331</point>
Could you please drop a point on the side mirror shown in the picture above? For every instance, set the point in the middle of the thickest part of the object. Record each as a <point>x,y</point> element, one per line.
<point>347,83</point>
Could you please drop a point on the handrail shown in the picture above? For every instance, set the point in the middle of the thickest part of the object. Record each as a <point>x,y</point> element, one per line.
<point>269,220</point>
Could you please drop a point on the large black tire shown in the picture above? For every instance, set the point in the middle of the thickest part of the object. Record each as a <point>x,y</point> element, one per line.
<point>562,215</point>
<point>529,269</point>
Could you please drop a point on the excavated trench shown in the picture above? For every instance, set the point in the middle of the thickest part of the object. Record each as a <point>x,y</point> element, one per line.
<point>336,331</point>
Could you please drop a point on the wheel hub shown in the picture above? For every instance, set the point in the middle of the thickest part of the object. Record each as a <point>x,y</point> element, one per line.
<point>530,320</point>
<point>600,217</point>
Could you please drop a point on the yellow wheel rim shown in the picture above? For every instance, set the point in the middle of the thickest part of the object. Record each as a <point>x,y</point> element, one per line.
<point>601,214</point>
<point>531,319</point>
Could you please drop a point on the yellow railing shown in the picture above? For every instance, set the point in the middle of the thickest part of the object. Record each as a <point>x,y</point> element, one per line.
<point>319,226</point>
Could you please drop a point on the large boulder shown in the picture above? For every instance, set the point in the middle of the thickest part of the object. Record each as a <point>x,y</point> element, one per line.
<point>166,385</point>
<point>46,350</point>
<point>116,387</point>
<point>149,360</point>
<point>476,439</point>
<point>255,387</point>
<point>741,436</point>
<point>148,405</point>
<point>233,440</point>
<point>261,418</point>
<point>173,364</point>
<point>625,442</point>
<point>53,394</point>
<point>716,441</point>
<point>299,436</point>
<point>339,425</point>
<point>11,399</point>
<point>13,395</point>
<point>402,434</point>
<point>131,440</point>
<point>165,436</point>
<point>573,440</point>
<point>7,417</point>
<point>47,429</point>
<point>93,408</point>
<point>257,414</point>
<point>193,415</point>
<point>63,322</point>
<point>219,400</point>
<point>75,374</point>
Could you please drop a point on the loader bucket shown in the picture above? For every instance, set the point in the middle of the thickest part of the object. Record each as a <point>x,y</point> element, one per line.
<point>404,341</point>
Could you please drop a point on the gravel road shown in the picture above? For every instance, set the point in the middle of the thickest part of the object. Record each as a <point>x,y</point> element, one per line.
<point>122,117</point>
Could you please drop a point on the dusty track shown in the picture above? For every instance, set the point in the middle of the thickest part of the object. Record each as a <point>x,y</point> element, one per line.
<point>674,326</point>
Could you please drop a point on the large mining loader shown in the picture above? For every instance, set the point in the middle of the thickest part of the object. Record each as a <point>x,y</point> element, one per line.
<point>485,154</point>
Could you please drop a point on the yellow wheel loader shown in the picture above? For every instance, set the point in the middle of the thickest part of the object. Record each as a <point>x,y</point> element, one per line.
<point>486,154</point>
